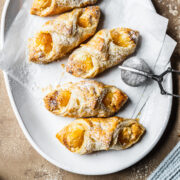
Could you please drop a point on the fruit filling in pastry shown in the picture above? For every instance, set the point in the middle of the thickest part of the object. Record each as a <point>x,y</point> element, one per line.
<point>85,99</point>
<point>105,50</point>
<point>53,7</point>
<point>84,136</point>
<point>61,35</point>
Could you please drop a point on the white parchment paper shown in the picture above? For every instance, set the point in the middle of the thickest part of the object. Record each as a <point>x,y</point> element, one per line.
<point>135,14</point>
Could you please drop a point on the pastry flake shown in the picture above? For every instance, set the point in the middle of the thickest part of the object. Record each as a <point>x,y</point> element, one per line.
<point>84,136</point>
<point>59,36</point>
<point>105,50</point>
<point>85,99</point>
<point>53,7</point>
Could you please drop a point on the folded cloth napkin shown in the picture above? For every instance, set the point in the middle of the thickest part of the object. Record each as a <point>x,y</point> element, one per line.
<point>169,169</point>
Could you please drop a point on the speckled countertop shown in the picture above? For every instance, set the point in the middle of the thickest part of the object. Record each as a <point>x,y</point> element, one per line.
<point>18,160</point>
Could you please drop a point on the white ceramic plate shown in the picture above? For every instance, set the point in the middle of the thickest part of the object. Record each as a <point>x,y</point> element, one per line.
<point>40,127</point>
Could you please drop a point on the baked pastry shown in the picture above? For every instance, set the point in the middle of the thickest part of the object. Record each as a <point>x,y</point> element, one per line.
<point>53,7</point>
<point>105,50</point>
<point>59,36</point>
<point>85,136</point>
<point>85,99</point>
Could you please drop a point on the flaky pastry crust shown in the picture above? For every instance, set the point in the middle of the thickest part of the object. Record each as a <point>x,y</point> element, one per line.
<point>53,7</point>
<point>84,136</point>
<point>59,36</point>
<point>85,99</point>
<point>105,50</point>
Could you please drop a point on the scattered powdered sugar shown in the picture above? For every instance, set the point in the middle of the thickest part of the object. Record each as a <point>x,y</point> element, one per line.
<point>172,10</point>
<point>142,170</point>
<point>172,6</point>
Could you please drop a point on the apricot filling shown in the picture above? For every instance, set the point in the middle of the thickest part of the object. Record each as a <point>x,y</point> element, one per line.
<point>107,101</point>
<point>136,131</point>
<point>63,98</point>
<point>75,136</point>
<point>88,65</point>
<point>114,100</point>
<point>44,42</point>
<point>84,63</point>
<point>84,20</point>
<point>129,134</point>
<point>120,37</point>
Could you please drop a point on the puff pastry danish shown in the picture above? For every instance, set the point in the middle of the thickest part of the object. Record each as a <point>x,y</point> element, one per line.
<point>59,36</point>
<point>85,99</point>
<point>106,49</point>
<point>53,7</point>
<point>85,136</point>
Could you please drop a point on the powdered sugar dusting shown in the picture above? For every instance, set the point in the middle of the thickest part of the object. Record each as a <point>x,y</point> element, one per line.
<point>173,10</point>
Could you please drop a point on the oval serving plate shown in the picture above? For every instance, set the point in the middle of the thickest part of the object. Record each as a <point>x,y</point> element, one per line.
<point>40,127</point>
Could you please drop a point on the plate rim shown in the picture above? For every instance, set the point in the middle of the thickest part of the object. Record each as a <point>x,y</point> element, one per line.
<point>32,142</point>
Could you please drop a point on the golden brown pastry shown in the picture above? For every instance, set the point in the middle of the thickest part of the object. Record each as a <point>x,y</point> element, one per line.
<point>85,99</point>
<point>59,36</point>
<point>105,50</point>
<point>85,136</point>
<point>53,7</point>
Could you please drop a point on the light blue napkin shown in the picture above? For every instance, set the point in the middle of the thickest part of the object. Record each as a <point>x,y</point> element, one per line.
<point>169,169</point>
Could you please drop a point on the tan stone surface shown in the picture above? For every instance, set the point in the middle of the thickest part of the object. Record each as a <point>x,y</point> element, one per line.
<point>18,160</point>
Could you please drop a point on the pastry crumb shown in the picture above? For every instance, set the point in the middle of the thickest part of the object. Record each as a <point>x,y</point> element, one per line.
<point>63,66</point>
